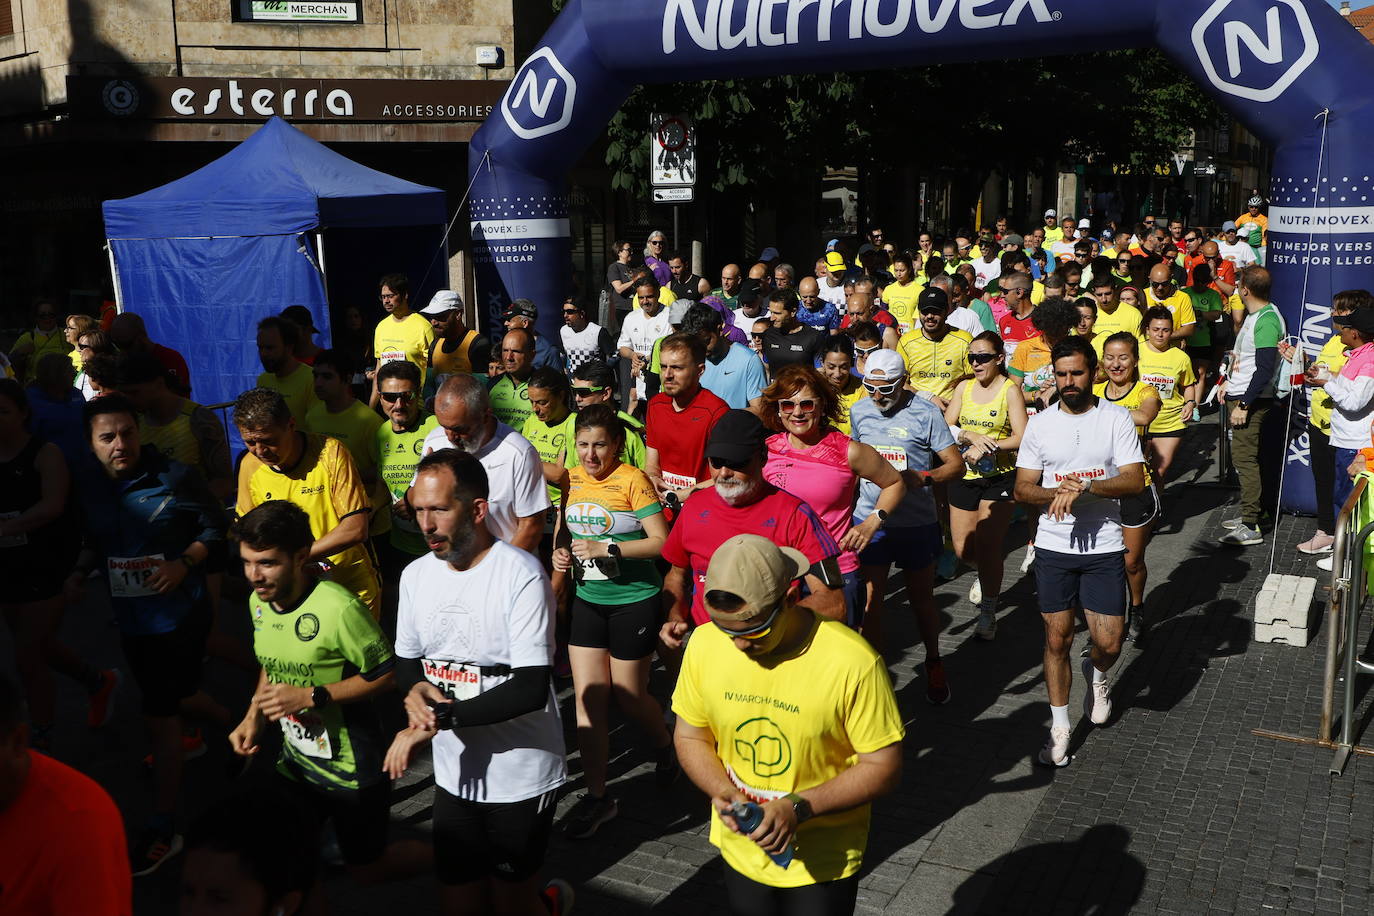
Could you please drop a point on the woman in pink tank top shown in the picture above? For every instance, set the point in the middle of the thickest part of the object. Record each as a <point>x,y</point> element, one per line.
<point>818,464</point>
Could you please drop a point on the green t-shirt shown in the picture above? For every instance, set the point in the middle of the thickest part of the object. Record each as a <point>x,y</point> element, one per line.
<point>397,455</point>
<point>548,441</point>
<point>632,453</point>
<point>510,402</point>
<point>327,637</point>
<point>1204,300</point>
<point>984,313</point>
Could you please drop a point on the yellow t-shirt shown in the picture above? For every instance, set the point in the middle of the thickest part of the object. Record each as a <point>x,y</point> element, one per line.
<point>551,441</point>
<point>901,302</point>
<point>935,365</point>
<point>1180,305</point>
<point>1169,372</point>
<point>850,395</point>
<point>356,427</point>
<point>1140,393</point>
<point>992,419</point>
<point>1333,356</point>
<point>408,339</point>
<point>41,345</point>
<point>298,388</point>
<point>325,484</point>
<point>1125,318</point>
<point>789,728</point>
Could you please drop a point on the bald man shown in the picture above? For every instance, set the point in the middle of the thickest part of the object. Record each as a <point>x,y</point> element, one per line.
<point>130,335</point>
<point>815,312</point>
<point>1164,293</point>
<point>763,276</point>
<point>729,287</point>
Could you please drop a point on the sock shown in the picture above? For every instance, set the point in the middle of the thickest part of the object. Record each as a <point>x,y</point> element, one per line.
<point>1059,717</point>
<point>988,605</point>
<point>1098,676</point>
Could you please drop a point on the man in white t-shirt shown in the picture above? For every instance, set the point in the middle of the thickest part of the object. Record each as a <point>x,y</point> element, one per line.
<point>474,645</point>
<point>519,501</point>
<point>1233,249</point>
<point>1076,460</point>
<point>639,330</point>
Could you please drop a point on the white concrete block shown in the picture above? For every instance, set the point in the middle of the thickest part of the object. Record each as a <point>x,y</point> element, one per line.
<point>1281,634</point>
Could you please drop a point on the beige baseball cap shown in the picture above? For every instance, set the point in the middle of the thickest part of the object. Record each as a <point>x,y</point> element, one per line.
<point>755,569</point>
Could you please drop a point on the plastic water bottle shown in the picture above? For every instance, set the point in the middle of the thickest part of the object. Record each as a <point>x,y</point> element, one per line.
<point>748,816</point>
<point>987,465</point>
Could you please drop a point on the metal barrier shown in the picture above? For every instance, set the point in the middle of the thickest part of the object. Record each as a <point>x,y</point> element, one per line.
<point>1348,583</point>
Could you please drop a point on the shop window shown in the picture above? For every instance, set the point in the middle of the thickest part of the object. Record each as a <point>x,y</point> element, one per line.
<point>6,18</point>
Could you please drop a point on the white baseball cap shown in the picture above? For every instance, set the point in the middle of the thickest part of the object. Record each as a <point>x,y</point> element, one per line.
<point>884,366</point>
<point>1050,213</point>
<point>444,300</point>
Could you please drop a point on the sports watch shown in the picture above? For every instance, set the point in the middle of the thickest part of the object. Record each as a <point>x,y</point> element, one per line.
<point>320,697</point>
<point>800,806</point>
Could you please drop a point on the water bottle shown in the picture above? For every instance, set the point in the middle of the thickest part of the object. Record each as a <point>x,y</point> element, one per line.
<point>987,465</point>
<point>748,816</point>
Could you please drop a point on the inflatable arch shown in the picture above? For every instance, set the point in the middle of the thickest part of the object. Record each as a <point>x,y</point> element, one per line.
<point>1294,71</point>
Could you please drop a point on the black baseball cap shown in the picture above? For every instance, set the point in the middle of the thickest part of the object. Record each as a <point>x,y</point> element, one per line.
<point>300,316</point>
<point>932,299</point>
<point>737,437</point>
<point>1361,320</point>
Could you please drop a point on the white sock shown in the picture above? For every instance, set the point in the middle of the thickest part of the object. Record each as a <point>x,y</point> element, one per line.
<point>1098,676</point>
<point>1059,716</point>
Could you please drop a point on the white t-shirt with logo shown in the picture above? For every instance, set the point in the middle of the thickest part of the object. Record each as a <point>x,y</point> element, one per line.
<point>515,477</point>
<point>1239,254</point>
<point>1091,445</point>
<point>499,613</point>
<point>638,332</point>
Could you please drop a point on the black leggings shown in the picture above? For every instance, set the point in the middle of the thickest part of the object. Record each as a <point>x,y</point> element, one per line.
<point>830,898</point>
<point>1323,463</point>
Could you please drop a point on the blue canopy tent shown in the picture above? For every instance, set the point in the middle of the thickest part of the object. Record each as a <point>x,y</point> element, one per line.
<point>206,257</point>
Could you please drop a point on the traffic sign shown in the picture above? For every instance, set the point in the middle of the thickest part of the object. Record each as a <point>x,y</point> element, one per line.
<point>672,151</point>
<point>672,195</point>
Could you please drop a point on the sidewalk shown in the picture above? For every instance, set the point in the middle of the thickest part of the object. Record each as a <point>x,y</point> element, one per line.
<point>1173,807</point>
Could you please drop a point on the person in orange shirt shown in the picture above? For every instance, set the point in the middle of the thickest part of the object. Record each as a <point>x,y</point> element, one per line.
<point>61,836</point>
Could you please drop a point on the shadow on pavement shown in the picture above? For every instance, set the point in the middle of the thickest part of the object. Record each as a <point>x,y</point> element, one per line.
<point>1094,874</point>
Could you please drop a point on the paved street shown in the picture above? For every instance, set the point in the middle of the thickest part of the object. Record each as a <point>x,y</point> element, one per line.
<point>1174,807</point>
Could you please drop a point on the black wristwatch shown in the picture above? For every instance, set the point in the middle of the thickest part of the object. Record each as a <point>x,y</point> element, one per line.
<point>882,515</point>
<point>613,551</point>
<point>320,698</point>
<point>801,807</point>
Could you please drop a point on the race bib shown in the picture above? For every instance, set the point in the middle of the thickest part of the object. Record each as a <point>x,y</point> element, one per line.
<point>1164,384</point>
<point>1084,475</point>
<point>895,456</point>
<point>599,569</point>
<point>305,732</point>
<point>550,519</point>
<point>456,680</point>
<point>391,356</point>
<point>678,481</point>
<point>12,540</point>
<point>129,575</point>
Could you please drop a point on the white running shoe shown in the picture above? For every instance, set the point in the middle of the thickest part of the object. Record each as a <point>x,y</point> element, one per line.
<point>1030,558</point>
<point>1097,696</point>
<point>1055,753</point>
<point>1326,562</point>
<point>986,627</point>
<point>975,591</point>
<point>1232,523</point>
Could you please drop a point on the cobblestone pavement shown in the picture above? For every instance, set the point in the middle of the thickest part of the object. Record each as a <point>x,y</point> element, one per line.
<point>1173,807</point>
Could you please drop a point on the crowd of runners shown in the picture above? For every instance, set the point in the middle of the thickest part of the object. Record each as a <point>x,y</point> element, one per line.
<point>432,530</point>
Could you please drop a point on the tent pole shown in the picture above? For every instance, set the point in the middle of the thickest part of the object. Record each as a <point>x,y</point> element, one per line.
<point>114,278</point>
<point>319,247</point>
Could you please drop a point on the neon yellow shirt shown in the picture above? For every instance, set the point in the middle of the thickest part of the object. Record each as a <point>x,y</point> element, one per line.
<point>1169,372</point>
<point>298,388</point>
<point>935,365</point>
<point>408,339</point>
<point>356,427</point>
<point>1333,356</point>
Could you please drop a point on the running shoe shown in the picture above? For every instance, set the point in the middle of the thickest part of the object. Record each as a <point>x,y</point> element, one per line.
<point>1097,695</point>
<point>666,768</point>
<point>1135,627</point>
<point>1029,561</point>
<point>1055,753</point>
<point>1326,562</point>
<point>587,816</point>
<point>1242,536</point>
<point>947,565</point>
<point>986,627</point>
<point>558,896</point>
<point>153,848</point>
<point>1232,523</point>
<point>102,701</point>
<point>937,685</point>
<point>1321,543</point>
<point>192,746</point>
<point>975,591</point>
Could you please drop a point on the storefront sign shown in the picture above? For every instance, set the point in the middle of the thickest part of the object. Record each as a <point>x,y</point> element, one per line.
<point>210,99</point>
<point>347,11</point>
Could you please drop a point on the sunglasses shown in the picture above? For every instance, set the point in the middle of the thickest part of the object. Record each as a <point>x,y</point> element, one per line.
<point>1164,285</point>
<point>759,631</point>
<point>392,396</point>
<point>1123,260</point>
<point>889,388</point>
<point>933,311</point>
<point>756,335</point>
<point>656,242</point>
<point>979,358</point>
<point>864,351</point>
<point>805,405</point>
<point>572,311</point>
<point>718,463</point>
<point>582,391</point>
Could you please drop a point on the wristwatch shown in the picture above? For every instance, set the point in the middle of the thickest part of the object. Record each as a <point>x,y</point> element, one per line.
<point>320,698</point>
<point>882,515</point>
<point>800,806</point>
<point>613,551</point>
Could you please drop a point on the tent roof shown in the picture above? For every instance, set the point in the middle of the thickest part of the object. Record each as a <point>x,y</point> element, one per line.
<point>275,182</point>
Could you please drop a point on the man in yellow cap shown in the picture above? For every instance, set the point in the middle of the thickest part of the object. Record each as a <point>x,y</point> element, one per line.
<point>794,713</point>
<point>832,285</point>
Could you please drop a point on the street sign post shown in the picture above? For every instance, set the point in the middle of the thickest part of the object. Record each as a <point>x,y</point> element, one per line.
<point>672,161</point>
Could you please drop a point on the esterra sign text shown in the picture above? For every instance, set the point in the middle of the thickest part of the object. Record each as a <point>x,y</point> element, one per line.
<point>211,99</point>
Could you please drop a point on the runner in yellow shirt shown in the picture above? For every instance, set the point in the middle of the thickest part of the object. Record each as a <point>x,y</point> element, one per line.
<point>277,340</point>
<point>899,297</point>
<point>935,352</point>
<point>403,334</point>
<point>343,416</point>
<point>1162,292</point>
<point>1170,371</point>
<point>316,473</point>
<point>837,366</point>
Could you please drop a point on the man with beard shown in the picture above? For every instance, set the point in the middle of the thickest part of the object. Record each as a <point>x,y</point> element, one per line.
<point>679,421</point>
<point>517,501</point>
<point>474,649</point>
<point>742,502</point>
<point>276,342</point>
<point>1088,454</point>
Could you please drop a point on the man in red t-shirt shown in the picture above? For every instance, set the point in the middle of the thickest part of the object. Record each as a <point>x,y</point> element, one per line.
<point>129,334</point>
<point>61,837</point>
<point>679,420</point>
<point>742,502</point>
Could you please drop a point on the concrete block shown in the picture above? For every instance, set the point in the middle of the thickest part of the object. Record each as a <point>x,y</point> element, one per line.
<point>1281,633</point>
<point>1283,609</point>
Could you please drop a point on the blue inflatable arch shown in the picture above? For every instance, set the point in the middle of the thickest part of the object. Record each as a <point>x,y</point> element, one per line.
<point>1294,71</point>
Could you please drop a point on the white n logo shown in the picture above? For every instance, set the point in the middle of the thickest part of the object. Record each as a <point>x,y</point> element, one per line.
<point>539,104</point>
<point>1268,50</point>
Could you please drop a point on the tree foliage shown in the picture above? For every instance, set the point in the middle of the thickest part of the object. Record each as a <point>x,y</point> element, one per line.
<point>1130,108</point>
